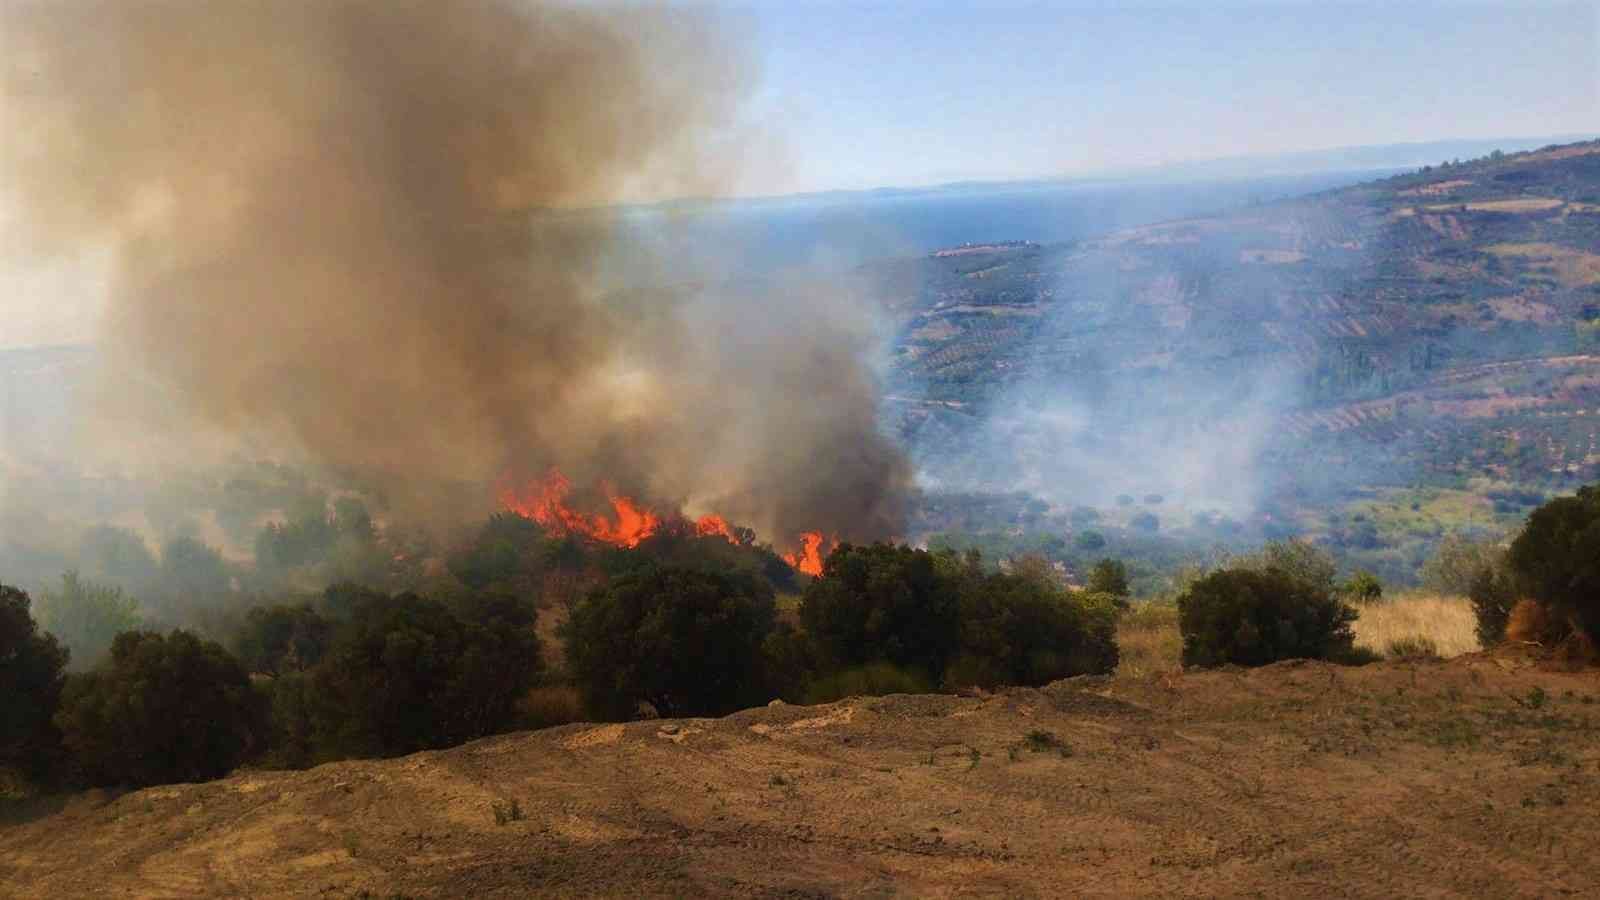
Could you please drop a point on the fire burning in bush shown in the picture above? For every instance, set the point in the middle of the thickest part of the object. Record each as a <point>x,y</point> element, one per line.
<point>630,522</point>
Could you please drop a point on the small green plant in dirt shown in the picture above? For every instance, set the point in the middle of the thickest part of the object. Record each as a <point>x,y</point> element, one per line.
<point>1451,732</point>
<point>1412,648</point>
<point>1040,741</point>
<point>507,811</point>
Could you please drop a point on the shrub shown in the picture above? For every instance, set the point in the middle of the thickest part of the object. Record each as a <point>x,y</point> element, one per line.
<point>1089,540</point>
<point>411,673</point>
<point>1023,630</point>
<point>161,708</point>
<point>1556,558</point>
<point>685,640</point>
<point>871,680</point>
<point>883,602</point>
<point>1252,616</point>
<point>1363,588</point>
<point>1492,593</point>
<point>1414,647</point>
<point>86,617</point>
<point>31,670</point>
<point>550,705</point>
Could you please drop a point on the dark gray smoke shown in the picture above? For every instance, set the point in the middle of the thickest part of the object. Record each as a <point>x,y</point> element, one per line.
<point>371,234</point>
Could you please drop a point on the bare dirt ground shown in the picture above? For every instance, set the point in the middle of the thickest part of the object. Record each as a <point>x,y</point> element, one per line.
<point>1476,776</point>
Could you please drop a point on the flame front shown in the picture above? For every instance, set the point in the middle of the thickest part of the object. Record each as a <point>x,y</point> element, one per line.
<point>545,503</point>
<point>808,558</point>
<point>631,523</point>
<point>711,524</point>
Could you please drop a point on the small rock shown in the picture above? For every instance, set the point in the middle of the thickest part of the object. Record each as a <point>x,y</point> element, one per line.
<point>777,703</point>
<point>669,728</point>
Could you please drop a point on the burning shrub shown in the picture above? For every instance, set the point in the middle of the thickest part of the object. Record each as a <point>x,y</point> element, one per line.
<point>162,708</point>
<point>688,641</point>
<point>408,673</point>
<point>1252,616</point>
<point>884,602</point>
<point>31,667</point>
<point>1556,558</point>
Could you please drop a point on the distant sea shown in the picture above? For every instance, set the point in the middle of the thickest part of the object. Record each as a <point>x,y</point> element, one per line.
<point>757,237</point>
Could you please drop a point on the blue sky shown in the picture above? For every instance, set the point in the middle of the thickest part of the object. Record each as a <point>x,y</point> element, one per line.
<point>861,95</point>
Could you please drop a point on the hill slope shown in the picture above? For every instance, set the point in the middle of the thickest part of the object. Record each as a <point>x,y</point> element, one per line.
<point>1427,328</point>
<point>1479,776</point>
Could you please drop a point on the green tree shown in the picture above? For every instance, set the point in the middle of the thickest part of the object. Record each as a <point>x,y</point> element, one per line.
<point>1556,558</point>
<point>32,666</point>
<point>277,640</point>
<point>193,571</point>
<point>688,641</point>
<point>1363,587</point>
<point>161,709</point>
<point>119,556</point>
<point>409,673</point>
<point>87,617</point>
<point>1108,576</point>
<point>883,602</point>
<point>1089,540</point>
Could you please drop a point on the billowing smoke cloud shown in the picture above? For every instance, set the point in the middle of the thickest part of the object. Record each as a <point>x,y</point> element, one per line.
<point>373,233</point>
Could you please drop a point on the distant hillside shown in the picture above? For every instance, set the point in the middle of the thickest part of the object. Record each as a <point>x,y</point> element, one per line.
<point>1428,328</point>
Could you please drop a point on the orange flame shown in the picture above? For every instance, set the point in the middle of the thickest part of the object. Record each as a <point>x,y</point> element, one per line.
<point>809,558</point>
<point>545,503</point>
<point>711,524</point>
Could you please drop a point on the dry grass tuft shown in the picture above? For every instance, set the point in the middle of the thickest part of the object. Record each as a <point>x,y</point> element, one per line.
<point>1446,622</point>
<point>550,705</point>
<point>1148,638</point>
<point>1531,623</point>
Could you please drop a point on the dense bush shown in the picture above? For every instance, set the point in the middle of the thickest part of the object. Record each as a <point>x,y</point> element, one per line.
<point>871,680</point>
<point>1026,630</point>
<point>408,673</point>
<point>1493,593</point>
<point>161,708</point>
<point>276,640</point>
<point>1252,616</point>
<point>1556,558</point>
<point>883,602</point>
<point>31,677</point>
<point>687,641</point>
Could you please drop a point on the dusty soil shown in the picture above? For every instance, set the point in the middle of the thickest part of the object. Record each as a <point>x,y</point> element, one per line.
<point>1479,776</point>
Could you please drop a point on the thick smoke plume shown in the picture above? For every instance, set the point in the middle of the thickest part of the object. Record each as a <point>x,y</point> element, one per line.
<point>373,233</point>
